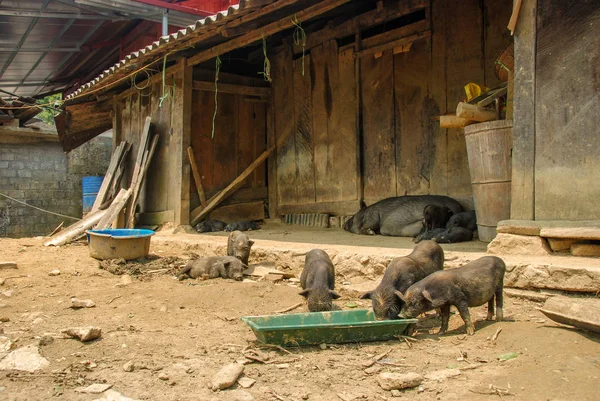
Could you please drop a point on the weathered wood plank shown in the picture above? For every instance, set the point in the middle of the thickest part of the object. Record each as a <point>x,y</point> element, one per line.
<point>197,177</point>
<point>414,136</point>
<point>464,64</point>
<point>523,156</point>
<point>321,110</point>
<point>114,210</point>
<point>226,165</point>
<point>243,147</point>
<point>239,212</point>
<point>259,134</point>
<point>340,208</point>
<point>272,174</point>
<point>391,45</point>
<point>155,218</point>
<point>231,89</point>
<point>305,166</point>
<point>378,127</point>
<point>496,37</point>
<point>284,124</point>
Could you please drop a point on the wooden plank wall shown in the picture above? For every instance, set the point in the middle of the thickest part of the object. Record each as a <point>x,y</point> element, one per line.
<point>403,151</point>
<point>567,110</point>
<point>239,138</point>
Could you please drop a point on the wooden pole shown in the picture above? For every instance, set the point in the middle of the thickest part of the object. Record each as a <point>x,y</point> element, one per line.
<point>451,121</point>
<point>76,229</point>
<point>197,177</point>
<point>138,183</point>
<point>115,208</point>
<point>474,112</point>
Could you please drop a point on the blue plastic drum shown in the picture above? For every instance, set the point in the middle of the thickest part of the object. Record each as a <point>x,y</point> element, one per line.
<point>90,185</point>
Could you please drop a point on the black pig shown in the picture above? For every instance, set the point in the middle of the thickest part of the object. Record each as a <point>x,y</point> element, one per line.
<point>429,234</point>
<point>213,267</point>
<point>243,226</point>
<point>466,220</point>
<point>210,226</point>
<point>239,245</point>
<point>318,281</point>
<point>435,216</point>
<point>454,235</point>
<point>472,285</point>
<point>427,257</point>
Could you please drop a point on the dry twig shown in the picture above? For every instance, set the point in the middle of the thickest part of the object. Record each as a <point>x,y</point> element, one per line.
<point>117,297</point>
<point>299,304</point>
<point>274,394</point>
<point>495,336</point>
<point>376,358</point>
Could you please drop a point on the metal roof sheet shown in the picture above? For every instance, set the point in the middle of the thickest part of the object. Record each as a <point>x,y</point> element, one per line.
<point>158,47</point>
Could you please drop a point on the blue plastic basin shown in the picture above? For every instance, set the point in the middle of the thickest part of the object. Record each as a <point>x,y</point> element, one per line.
<point>119,243</point>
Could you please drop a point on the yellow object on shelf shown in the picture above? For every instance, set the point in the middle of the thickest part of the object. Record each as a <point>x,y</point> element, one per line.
<point>473,90</point>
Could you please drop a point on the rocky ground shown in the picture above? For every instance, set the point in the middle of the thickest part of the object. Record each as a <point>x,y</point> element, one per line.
<point>164,339</point>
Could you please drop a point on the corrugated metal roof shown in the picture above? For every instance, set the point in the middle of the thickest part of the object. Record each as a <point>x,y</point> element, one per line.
<point>167,43</point>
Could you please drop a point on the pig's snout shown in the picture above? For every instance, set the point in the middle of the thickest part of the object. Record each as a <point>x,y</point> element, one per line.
<point>238,278</point>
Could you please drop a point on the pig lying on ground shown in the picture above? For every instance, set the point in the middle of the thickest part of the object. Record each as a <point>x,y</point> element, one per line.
<point>427,257</point>
<point>466,220</point>
<point>399,216</point>
<point>210,226</point>
<point>239,245</point>
<point>318,281</point>
<point>435,216</point>
<point>243,226</point>
<point>454,235</point>
<point>213,267</point>
<point>429,234</point>
<point>472,285</point>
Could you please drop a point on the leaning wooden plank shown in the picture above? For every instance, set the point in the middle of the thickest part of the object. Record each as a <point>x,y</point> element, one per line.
<point>197,178</point>
<point>138,185</point>
<point>138,164</point>
<point>108,177</point>
<point>116,182</point>
<point>76,229</point>
<point>475,113</point>
<point>391,45</point>
<point>115,208</point>
<point>231,187</point>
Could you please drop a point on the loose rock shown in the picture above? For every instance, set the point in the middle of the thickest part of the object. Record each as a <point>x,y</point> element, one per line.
<point>83,333</point>
<point>54,272</point>
<point>4,319</point>
<point>8,265</point>
<point>112,395</point>
<point>398,381</point>
<point>82,303</point>
<point>372,370</point>
<point>95,388</point>
<point>240,395</point>
<point>227,376</point>
<point>25,358</point>
<point>129,366</point>
<point>510,244</point>
<point>125,281</point>
<point>46,340</point>
<point>246,382</point>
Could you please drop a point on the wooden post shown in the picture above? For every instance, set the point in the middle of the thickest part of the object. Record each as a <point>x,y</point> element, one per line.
<point>182,125</point>
<point>197,177</point>
<point>523,156</point>
<point>272,162</point>
<point>452,121</point>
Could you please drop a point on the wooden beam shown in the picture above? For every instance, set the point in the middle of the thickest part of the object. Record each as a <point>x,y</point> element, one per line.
<point>523,157</point>
<point>182,128</point>
<point>361,22</point>
<point>115,208</point>
<point>239,212</point>
<point>108,177</point>
<point>239,181</point>
<point>266,31</point>
<point>452,121</point>
<point>75,229</point>
<point>391,45</point>
<point>197,177</point>
<point>137,167</point>
<point>233,89</point>
<point>155,218</point>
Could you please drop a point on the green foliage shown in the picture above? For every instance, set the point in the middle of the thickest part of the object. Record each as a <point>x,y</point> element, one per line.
<point>48,113</point>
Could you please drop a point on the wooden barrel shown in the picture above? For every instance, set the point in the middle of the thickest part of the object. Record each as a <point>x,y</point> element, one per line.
<point>489,149</point>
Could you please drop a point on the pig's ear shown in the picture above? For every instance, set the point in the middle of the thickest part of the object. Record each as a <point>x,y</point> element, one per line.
<point>427,296</point>
<point>334,294</point>
<point>250,242</point>
<point>305,293</point>
<point>400,295</point>
<point>450,212</point>
<point>363,205</point>
<point>366,295</point>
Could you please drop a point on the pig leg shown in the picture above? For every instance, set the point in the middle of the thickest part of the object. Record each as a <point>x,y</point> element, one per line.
<point>499,302</point>
<point>463,309</point>
<point>445,311</point>
<point>217,270</point>
<point>490,313</point>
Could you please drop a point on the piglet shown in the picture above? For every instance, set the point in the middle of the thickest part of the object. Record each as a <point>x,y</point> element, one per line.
<point>239,245</point>
<point>213,267</point>
<point>474,284</point>
<point>318,281</point>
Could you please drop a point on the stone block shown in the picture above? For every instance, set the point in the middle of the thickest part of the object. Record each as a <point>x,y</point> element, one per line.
<point>518,227</point>
<point>510,244</point>
<point>560,244</point>
<point>585,250</point>
<point>556,277</point>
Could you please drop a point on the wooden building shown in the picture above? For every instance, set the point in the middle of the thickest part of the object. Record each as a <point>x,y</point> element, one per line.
<point>350,110</point>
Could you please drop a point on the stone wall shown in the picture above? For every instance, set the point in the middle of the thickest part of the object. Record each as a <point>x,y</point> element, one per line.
<point>41,174</point>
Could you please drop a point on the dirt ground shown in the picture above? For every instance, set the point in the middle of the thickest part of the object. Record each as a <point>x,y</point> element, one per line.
<point>178,334</point>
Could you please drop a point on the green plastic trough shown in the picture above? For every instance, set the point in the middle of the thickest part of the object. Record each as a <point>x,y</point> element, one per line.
<point>335,327</point>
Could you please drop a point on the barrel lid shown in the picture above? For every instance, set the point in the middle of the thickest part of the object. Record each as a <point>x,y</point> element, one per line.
<point>489,125</point>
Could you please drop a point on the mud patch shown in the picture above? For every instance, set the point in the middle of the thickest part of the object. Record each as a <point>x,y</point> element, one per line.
<point>144,268</point>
